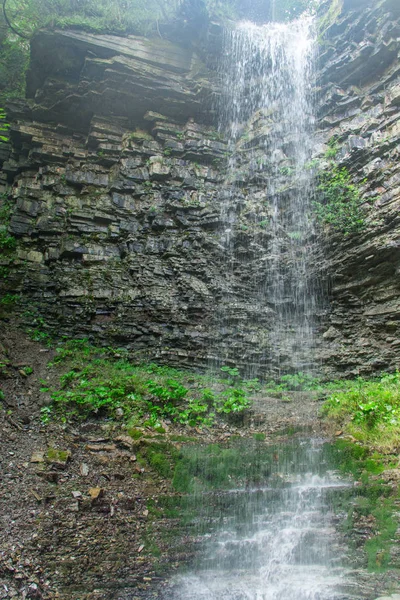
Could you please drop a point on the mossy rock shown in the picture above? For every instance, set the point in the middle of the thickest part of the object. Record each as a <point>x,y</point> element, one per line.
<point>58,457</point>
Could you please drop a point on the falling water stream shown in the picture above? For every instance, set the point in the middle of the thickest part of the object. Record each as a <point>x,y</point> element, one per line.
<point>267,111</point>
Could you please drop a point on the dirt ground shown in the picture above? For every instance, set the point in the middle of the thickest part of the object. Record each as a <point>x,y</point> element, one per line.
<point>75,522</point>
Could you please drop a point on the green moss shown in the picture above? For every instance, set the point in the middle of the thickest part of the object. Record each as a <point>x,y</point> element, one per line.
<point>374,500</point>
<point>140,134</point>
<point>182,438</point>
<point>135,434</point>
<point>213,467</point>
<point>160,456</point>
<point>57,456</point>
<point>330,17</point>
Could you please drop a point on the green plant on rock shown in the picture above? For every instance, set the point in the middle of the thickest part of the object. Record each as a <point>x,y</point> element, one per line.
<point>338,202</point>
<point>7,241</point>
<point>98,381</point>
<point>4,126</point>
<point>10,299</point>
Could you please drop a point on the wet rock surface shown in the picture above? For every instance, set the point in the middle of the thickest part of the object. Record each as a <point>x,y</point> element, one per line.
<point>358,88</point>
<point>118,176</point>
<point>117,206</point>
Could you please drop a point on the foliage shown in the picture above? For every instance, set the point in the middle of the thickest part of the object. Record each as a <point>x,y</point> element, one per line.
<point>339,203</point>
<point>133,16</point>
<point>4,126</point>
<point>368,410</point>
<point>231,372</point>
<point>38,332</point>
<point>98,381</point>
<point>7,241</point>
<point>374,500</point>
<point>14,54</point>
<point>293,382</point>
<point>8,245</point>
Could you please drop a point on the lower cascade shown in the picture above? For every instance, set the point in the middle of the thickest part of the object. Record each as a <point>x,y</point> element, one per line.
<point>274,541</point>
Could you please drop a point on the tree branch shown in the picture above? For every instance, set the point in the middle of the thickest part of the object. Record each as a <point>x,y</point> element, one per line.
<point>21,35</point>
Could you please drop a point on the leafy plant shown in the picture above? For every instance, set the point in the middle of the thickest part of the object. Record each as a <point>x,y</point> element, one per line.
<point>232,372</point>
<point>4,126</point>
<point>368,410</point>
<point>97,381</point>
<point>233,401</point>
<point>338,203</point>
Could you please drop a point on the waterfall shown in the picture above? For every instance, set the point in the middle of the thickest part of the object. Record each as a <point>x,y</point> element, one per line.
<point>274,540</point>
<point>267,114</point>
<point>272,537</point>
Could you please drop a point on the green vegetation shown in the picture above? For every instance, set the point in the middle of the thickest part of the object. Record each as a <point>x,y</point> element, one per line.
<point>339,201</point>
<point>372,503</point>
<point>116,16</point>
<point>368,410</point>
<point>7,242</point>
<point>98,381</point>
<point>331,16</point>
<point>217,467</point>
<point>39,330</point>
<point>8,245</point>
<point>4,126</point>
<point>9,299</point>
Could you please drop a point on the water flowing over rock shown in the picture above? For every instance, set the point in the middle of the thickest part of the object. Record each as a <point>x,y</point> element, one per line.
<point>267,111</point>
<point>275,542</point>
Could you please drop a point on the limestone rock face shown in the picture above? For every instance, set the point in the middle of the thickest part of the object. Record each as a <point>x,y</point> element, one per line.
<point>359,104</point>
<point>116,174</point>
<point>75,75</point>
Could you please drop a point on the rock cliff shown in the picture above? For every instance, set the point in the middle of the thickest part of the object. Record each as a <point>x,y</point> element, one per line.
<point>359,85</point>
<point>117,173</point>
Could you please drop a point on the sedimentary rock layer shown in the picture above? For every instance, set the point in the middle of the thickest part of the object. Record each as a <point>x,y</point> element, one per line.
<point>360,108</point>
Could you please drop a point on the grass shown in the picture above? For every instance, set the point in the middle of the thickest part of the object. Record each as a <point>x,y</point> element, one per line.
<point>368,410</point>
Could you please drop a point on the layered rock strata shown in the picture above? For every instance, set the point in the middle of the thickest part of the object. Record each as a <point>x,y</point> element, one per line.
<point>116,177</point>
<point>360,108</point>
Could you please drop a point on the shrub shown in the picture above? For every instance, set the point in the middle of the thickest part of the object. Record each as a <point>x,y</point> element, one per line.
<point>338,202</point>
